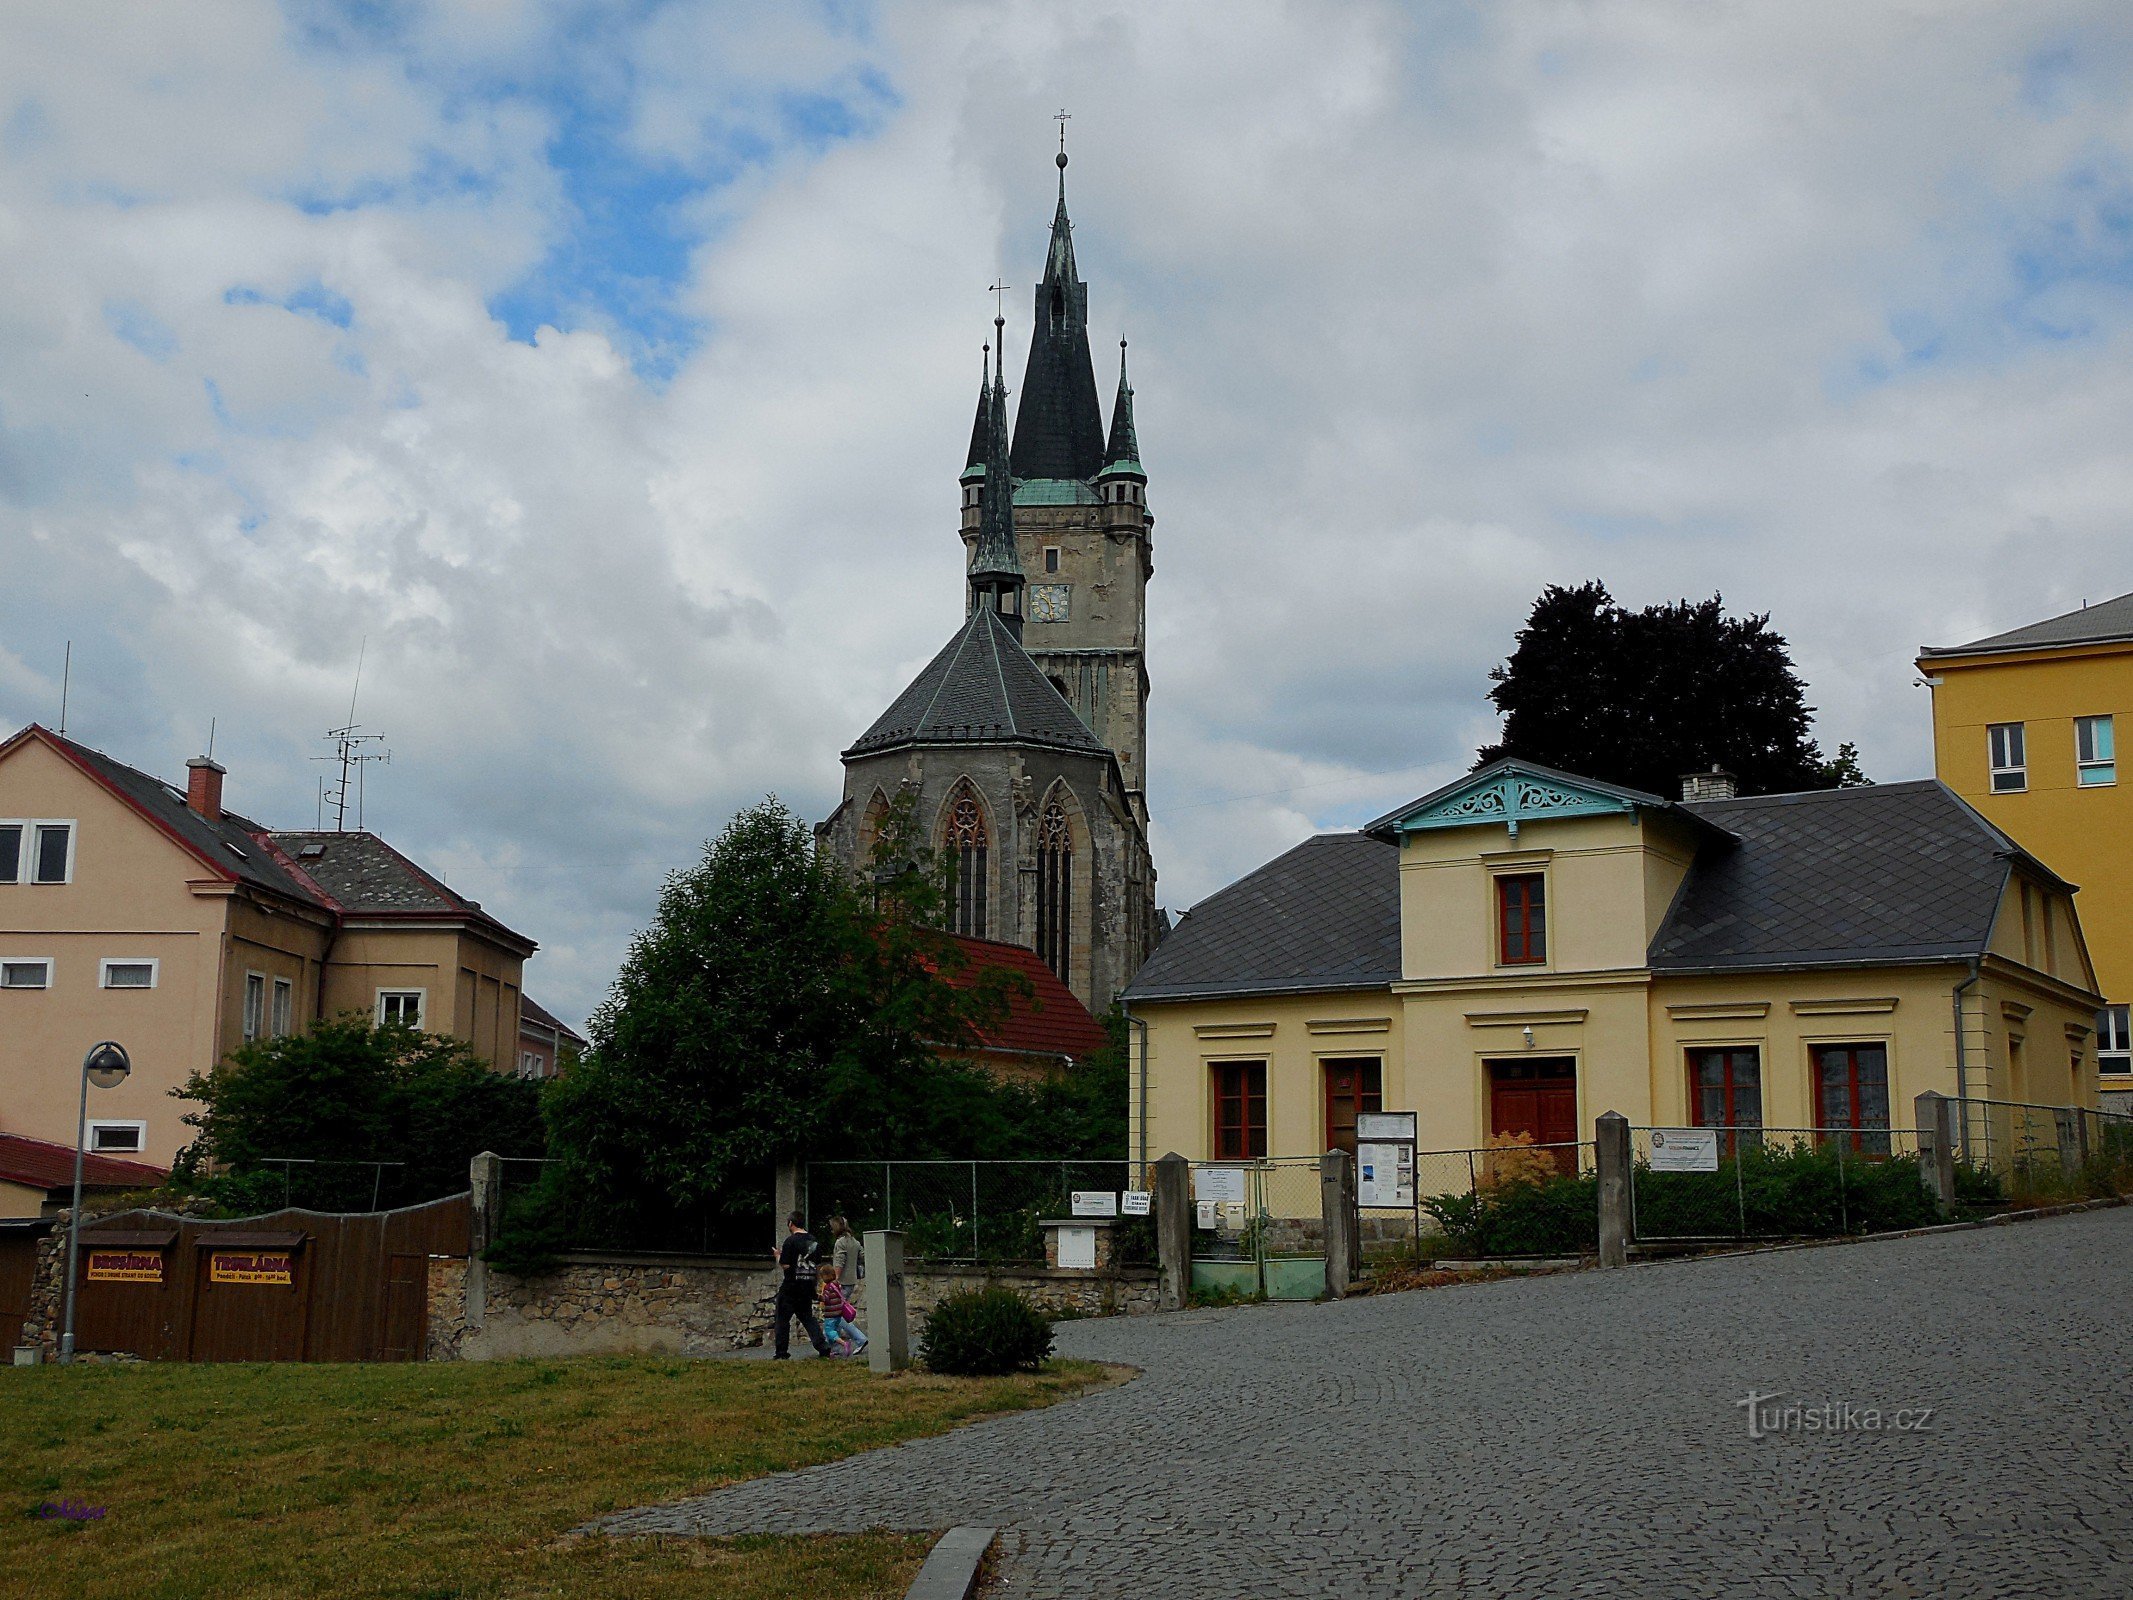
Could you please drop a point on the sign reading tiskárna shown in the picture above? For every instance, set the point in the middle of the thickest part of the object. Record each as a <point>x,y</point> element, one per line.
<point>251,1266</point>
<point>125,1266</point>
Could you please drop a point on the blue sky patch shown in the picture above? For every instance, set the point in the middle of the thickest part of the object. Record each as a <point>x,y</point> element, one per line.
<point>134,326</point>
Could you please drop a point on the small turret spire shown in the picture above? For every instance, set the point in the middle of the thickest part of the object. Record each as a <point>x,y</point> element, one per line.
<point>996,580</point>
<point>1123,454</point>
<point>982,421</point>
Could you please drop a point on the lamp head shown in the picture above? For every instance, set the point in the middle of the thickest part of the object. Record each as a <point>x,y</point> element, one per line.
<point>107,1064</point>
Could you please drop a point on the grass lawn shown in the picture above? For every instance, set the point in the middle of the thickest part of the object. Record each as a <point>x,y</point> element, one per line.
<point>448,1480</point>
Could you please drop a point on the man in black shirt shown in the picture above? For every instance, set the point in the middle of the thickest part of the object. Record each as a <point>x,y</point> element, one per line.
<point>799,1258</point>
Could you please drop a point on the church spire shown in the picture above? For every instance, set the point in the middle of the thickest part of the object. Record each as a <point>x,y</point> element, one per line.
<point>996,581</point>
<point>1123,454</point>
<point>983,420</point>
<point>1059,423</point>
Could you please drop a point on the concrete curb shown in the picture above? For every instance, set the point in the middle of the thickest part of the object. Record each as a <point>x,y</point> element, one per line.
<point>951,1569</point>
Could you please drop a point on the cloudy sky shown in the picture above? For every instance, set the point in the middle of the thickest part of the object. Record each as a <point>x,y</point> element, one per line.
<point>608,369</point>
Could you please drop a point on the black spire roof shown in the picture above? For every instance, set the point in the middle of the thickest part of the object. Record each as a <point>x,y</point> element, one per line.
<point>981,689</point>
<point>982,420</point>
<point>996,564</point>
<point>1059,426</point>
<point>1123,454</point>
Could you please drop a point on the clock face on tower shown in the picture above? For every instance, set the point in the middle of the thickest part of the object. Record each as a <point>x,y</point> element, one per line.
<point>1048,602</point>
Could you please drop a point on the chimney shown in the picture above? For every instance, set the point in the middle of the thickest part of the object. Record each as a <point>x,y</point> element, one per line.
<point>1717,784</point>
<point>203,787</point>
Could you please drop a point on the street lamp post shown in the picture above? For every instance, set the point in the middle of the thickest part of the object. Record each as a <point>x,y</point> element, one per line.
<point>106,1065</point>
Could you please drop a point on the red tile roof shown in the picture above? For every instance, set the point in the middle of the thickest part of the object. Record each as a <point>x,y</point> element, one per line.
<point>42,1165</point>
<point>1048,1021</point>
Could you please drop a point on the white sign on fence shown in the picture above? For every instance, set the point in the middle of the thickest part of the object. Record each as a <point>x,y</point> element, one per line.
<point>1095,1203</point>
<point>1133,1203</point>
<point>1377,1125</point>
<point>1684,1149</point>
<point>1385,1175</point>
<point>1219,1183</point>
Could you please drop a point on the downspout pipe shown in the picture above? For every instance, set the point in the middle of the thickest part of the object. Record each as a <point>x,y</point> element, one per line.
<point>1125,1010</point>
<point>1962,1060</point>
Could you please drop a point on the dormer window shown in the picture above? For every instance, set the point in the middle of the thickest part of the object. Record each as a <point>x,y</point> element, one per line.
<point>1521,919</point>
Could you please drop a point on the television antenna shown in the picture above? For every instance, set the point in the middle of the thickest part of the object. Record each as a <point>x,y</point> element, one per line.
<point>351,754</point>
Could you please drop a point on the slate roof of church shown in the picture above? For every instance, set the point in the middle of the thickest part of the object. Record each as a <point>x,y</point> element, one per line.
<point>1326,915</point>
<point>981,689</point>
<point>1888,874</point>
<point>2106,622</point>
<point>1896,872</point>
<point>1059,425</point>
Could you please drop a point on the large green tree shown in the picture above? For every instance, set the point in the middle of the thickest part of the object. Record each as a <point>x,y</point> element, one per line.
<point>304,1115</point>
<point>1640,698</point>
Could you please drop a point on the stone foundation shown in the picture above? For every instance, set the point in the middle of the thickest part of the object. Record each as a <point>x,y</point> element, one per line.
<point>605,1304</point>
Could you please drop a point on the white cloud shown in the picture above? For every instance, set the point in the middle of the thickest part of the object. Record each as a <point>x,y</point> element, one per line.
<point>1822,305</point>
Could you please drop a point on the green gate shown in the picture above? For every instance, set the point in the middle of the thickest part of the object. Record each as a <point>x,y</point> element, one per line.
<point>1259,1229</point>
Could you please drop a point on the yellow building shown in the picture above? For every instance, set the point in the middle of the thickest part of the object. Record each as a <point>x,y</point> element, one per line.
<point>2025,728</point>
<point>1523,950</point>
<point>136,911</point>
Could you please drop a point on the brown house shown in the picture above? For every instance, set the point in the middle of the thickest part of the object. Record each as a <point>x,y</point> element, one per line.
<point>136,911</point>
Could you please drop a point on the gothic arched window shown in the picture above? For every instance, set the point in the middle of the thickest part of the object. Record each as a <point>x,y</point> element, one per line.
<point>1055,889</point>
<point>967,843</point>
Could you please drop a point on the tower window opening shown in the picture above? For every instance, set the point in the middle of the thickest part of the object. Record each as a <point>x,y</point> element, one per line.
<point>968,843</point>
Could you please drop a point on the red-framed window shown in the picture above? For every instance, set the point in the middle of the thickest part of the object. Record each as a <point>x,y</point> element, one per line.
<point>1521,919</point>
<point>1726,1091</point>
<point>1240,1110</point>
<point>1353,1086</point>
<point>1852,1093</point>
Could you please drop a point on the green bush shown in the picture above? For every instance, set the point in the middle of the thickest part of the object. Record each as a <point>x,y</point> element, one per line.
<point>1557,1216</point>
<point>1792,1190</point>
<point>982,1333</point>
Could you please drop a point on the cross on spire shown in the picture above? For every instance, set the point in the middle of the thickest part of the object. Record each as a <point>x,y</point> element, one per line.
<point>1063,117</point>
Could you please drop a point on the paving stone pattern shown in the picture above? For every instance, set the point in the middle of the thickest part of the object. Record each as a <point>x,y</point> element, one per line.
<point>1571,1435</point>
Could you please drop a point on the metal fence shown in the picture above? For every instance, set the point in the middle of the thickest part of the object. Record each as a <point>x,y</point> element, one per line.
<point>2021,1152</point>
<point>1259,1228</point>
<point>975,1211</point>
<point>1782,1183</point>
<point>1509,1199</point>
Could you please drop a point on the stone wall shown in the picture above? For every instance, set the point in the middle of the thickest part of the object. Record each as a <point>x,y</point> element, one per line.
<point>41,1327</point>
<point>699,1305</point>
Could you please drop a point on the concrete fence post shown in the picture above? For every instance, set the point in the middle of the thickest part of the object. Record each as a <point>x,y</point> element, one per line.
<point>1344,1245</point>
<point>2066,1122</point>
<point>787,1200</point>
<point>1936,1148</point>
<point>888,1322</point>
<point>1173,1232</point>
<point>485,1220</point>
<point>1611,1147</point>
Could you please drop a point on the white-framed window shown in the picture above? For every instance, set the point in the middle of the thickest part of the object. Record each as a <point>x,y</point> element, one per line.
<point>2114,1039</point>
<point>284,1006</point>
<point>255,1005</point>
<point>25,972</point>
<point>36,850</point>
<point>2095,752</point>
<point>127,972</point>
<point>118,1138</point>
<point>2008,751</point>
<point>531,1064</point>
<point>400,1006</point>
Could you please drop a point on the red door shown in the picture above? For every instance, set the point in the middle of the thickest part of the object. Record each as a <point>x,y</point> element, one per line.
<point>1538,1098</point>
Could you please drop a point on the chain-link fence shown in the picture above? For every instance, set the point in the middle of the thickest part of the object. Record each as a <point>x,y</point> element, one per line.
<point>1511,1199</point>
<point>1259,1229</point>
<point>1780,1183</point>
<point>2021,1153</point>
<point>977,1211</point>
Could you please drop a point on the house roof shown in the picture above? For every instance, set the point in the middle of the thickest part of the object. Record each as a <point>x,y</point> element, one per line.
<point>1889,873</point>
<point>1326,915</point>
<point>2106,622</point>
<point>1511,770</point>
<point>981,689</point>
<point>1049,1020</point>
<point>531,1010</point>
<point>1898,872</point>
<point>355,874</point>
<point>39,1164</point>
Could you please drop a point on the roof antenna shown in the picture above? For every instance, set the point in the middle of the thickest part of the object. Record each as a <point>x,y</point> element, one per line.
<point>66,680</point>
<point>348,741</point>
<point>210,738</point>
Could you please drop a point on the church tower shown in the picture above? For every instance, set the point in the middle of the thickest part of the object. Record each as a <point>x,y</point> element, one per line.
<point>1081,520</point>
<point>1022,745</point>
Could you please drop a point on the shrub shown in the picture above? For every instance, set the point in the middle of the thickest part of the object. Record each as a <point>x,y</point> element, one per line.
<point>1534,1217</point>
<point>983,1333</point>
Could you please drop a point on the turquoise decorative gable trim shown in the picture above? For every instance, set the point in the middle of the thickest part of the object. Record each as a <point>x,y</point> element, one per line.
<point>1511,798</point>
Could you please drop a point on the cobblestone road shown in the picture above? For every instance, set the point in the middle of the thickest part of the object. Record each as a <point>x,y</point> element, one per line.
<point>1564,1436</point>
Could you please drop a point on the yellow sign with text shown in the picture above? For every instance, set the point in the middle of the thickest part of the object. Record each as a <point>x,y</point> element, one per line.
<point>125,1266</point>
<point>250,1266</point>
